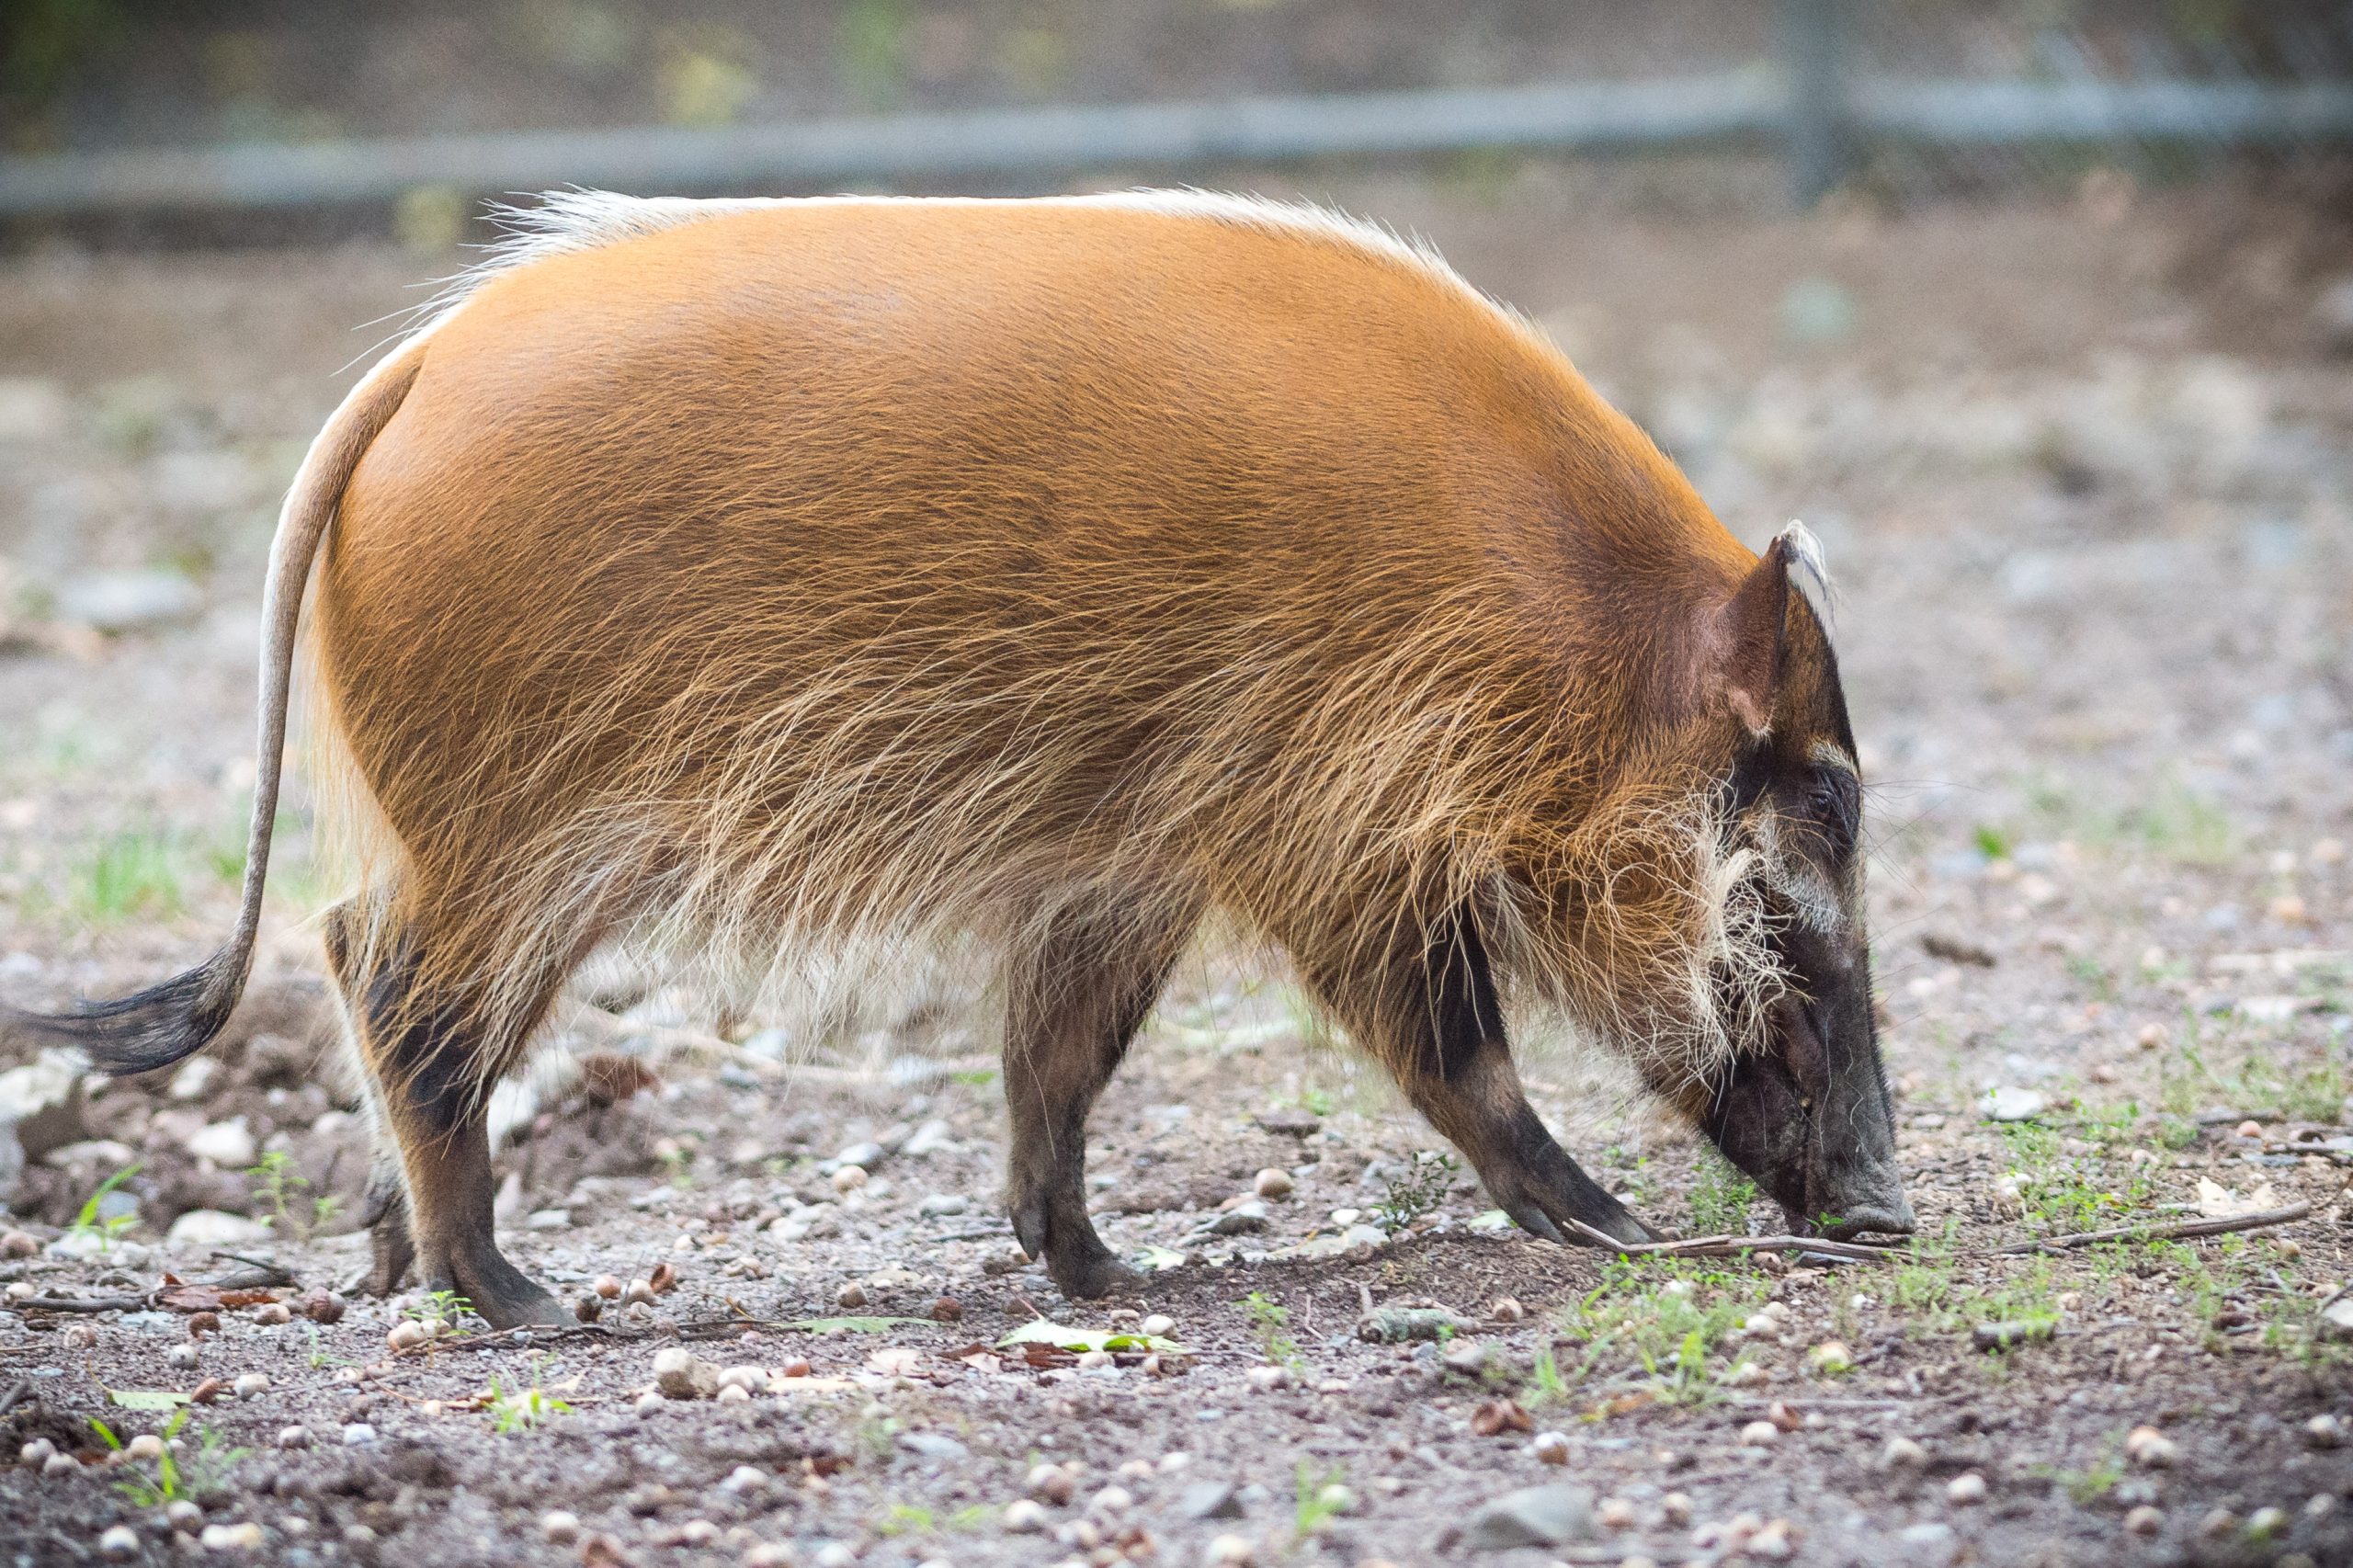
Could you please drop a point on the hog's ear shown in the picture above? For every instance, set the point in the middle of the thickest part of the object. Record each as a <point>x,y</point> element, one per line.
<point>1752,638</point>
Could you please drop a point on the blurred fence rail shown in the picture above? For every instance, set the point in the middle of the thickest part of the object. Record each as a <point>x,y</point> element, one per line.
<point>1827,115</point>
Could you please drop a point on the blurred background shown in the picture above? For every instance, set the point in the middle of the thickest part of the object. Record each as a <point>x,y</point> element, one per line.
<point>2040,313</point>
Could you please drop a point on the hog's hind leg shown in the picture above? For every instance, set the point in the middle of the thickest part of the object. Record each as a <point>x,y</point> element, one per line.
<point>1078,987</point>
<point>429,1060</point>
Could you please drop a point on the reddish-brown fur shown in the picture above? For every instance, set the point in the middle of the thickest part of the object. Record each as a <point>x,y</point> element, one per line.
<point>1048,576</point>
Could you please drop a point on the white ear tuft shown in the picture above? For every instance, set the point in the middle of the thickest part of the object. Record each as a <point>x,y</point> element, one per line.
<point>1805,555</point>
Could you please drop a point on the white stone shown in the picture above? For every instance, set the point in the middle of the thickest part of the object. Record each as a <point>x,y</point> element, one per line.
<point>246,1537</point>
<point>2010,1103</point>
<point>215,1227</point>
<point>680,1373</point>
<point>559,1525</point>
<point>358,1433</point>
<point>120,1542</point>
<point>249,1384</point>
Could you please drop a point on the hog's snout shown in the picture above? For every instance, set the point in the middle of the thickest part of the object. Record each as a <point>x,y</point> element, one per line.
<point>1891,1219</point>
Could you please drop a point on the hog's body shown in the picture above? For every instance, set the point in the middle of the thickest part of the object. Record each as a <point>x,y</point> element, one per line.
<point>1051,572</point>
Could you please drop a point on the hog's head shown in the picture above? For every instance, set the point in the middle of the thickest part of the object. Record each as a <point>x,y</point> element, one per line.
<point>1804,1112</point>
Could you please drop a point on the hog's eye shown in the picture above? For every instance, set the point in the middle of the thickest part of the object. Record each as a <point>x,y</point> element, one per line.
<point>1834,802</point>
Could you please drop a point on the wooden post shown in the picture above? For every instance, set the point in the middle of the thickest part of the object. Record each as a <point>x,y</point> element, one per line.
<point>1814,52</point>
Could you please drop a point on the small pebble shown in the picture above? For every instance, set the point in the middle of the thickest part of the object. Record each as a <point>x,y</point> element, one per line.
<point>746,1378</point>
<point>698,1533</point>
<point>1774,1541</point>
<point>2250,1129</point>
<point>358,1433</point>
<point>680,1373</point>
<point>273,1312</point>
<point>183,1515</point>
<point>118,1542</point>
<point>1265,1380</point>
<point>146,1446</point>
<point>1023,1517</point>
<point>1903,1453</point>
<point>1272,1182</point>
<point>1615,1513</point>
<point>607,1287</point>
<point>1551,1447</point>
<point>182,1356</point>
<point>835,1554</point>
<point>246,1537</point>
<point>2320,1505</point>
<point>852,1294</point>
<point>1051,1483</point>
<point>2147,1447</point>
<point>796,1368</point>
<point>744,1478</point>
<point>648,1402</point>
<point>1759,1435</point>
<point>770,1555</point>
<point>2217,1524</point>
<point>250,1385</point>
<point>849,1178</point>
<point>1965,1489</point>
<point>2144,1520</point>
<point>79,1336</point>
<point>19,1244</point>
<point>1507,1308</point>
<point>559,1525</point>
<point>639,1293</point>
<point>407,1334</point>
<point>201,1323</point>
<point>2325,1431</point>
<point>1159,1326</point>
<point>1113,1500</point>
<point>1092,1361</point>
<point>59,1464</point>
<point>294,1437</point>
<point>947,1309</point>
<point>1228,1549</point>
<point>2267,1522</point>
<point>35,1452</point>
<point>1831,1358</point>
<point>731,1394</point>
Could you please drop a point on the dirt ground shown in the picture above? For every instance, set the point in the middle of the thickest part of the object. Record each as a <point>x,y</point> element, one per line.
<point>2084,467</point>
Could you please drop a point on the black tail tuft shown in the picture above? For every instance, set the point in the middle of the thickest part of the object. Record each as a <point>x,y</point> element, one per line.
<point>152,1029</point>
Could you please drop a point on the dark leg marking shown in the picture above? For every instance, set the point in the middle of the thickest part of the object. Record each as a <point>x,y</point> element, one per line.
<point>1075,1000</point>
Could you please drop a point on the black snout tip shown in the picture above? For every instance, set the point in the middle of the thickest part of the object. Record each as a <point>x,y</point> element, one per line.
<point>1868,1220</point>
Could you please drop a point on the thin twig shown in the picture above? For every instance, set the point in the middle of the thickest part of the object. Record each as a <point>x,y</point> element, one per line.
<point>2178,1231</point>
<point>1733,1246</point>
<point>258,1273</point>
<point>83,1304</point>
<point>15,1394</point>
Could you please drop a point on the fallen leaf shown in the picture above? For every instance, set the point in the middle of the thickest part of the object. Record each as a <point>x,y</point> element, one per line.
<point>2216,1202</point>
<point>147,1399</point>
<point>896,1361</point>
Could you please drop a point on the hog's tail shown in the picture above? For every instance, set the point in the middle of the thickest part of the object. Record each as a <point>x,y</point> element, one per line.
<point>164,1023</point>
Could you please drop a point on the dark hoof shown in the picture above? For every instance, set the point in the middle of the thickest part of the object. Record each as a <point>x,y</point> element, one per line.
<point>1090,1278</point>
<point>502,1295</point>
<point>391,1256</point>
